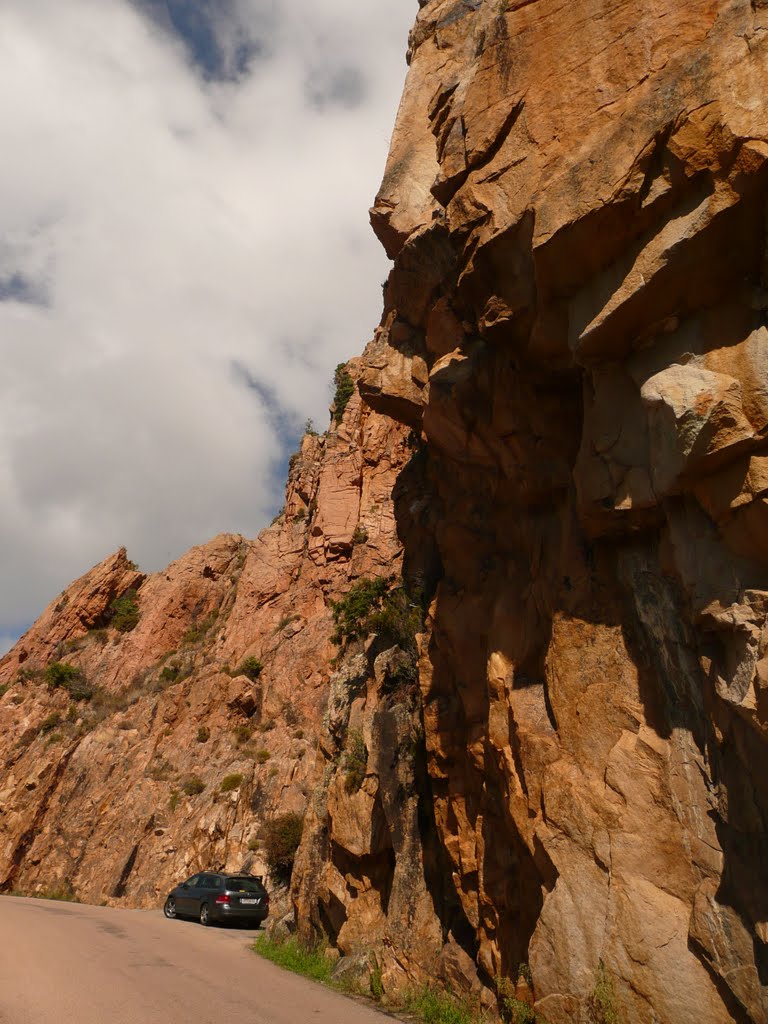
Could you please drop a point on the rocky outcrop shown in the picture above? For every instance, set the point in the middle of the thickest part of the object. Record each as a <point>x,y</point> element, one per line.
<point>575,204</point>
<point>113,765</point>
<point>532,762</point>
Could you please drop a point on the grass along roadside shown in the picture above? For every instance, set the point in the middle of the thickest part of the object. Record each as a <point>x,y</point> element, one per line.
<point>62,892</point>
<point>425,1006</point>
<point>290,954</point>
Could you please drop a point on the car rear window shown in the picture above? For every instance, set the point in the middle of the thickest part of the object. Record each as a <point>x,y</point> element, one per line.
<point>245,885</point>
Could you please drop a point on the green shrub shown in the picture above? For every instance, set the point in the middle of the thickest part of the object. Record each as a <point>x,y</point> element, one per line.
<point>351,613</point>
<point>398,620</point>
<point>50,723</point>
<point>161,769</point>
<point>25,675</point>
<point>27,737</point>
<point>3,689</point>
<point>344,388</point>
<point>354,762</point>
<point>515,1011</point>
<point>173,799</point>
<point>267,725</point>
<point>439,1008</point>
<point>203,734</point>
<point>242,733</point>
<point>370,607</point>
<point>290,714</point>
<point>231,782</point>
<point>377,979</point>
<point>62,675</point>
<point>199,629</point>
<point>309,428</point>
<point>286,620</point>
<point>193,785</point>
<point>250,667</point>
<point>60,891</point>
<point>253,845</point>
<point>124,612</point>
<point>602,1003</point>
<point>170,673</point>
<point>291,954</point>
<point>80,691</point>
<point>282,835</point>
<point>360,536</point>
<point>262,756</point>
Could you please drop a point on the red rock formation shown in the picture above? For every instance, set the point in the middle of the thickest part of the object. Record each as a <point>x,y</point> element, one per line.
<point>551,786</point>
<point>92,791</point>
<point>575,203</point>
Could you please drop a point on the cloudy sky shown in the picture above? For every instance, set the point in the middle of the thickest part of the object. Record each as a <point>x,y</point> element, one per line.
<point>184,257</point>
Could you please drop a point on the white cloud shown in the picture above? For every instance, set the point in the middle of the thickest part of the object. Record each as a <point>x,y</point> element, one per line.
<point>159,226</point>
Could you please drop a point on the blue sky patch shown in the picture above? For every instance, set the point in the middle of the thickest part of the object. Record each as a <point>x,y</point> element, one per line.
<point>17,288</point>
<point>217,42</point>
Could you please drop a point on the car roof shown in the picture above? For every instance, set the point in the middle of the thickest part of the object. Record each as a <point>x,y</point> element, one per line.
<point>229,874</point>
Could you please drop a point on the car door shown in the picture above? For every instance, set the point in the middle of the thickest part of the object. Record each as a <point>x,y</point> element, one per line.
<point>185,896</point>
<point>205,890</point>
<point>198,894</point>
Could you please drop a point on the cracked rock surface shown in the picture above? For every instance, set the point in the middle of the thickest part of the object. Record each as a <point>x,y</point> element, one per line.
<point>559,440</point>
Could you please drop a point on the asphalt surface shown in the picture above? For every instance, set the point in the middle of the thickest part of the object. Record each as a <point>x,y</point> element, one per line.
<point>65,963</point>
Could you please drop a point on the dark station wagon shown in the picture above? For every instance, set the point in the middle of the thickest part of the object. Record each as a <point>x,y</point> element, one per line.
<point>216,897</point>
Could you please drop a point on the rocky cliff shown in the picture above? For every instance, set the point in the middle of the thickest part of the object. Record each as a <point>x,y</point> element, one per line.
<point>575,203</point>
<point>150,725</point>
<point>538,757</point>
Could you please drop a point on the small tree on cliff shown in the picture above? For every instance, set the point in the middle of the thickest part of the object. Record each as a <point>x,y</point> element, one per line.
<point>373,606</point>
<point>282,835</point>
<point>344,389</point>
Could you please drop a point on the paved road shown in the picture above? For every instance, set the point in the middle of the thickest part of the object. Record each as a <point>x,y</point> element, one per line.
<point>64,963</point>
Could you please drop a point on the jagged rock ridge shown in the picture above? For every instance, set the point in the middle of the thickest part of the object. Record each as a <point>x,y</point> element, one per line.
<point>93,791</point>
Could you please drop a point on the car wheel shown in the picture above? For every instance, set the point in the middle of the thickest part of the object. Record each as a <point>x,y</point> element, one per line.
<point>170,908</point>
<point>205,915</point>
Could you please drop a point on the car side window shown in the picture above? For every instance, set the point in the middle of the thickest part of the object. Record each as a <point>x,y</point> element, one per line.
<point>218,882</point>
<point>193,881</point>
<point>205,882</point>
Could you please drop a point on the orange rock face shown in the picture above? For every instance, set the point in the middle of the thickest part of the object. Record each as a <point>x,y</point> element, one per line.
<point>100,793</point>
<point>575,203</point>
<point>536,771</point>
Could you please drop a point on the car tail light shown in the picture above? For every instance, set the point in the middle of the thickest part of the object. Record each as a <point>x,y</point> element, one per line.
<point>222,899</point>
